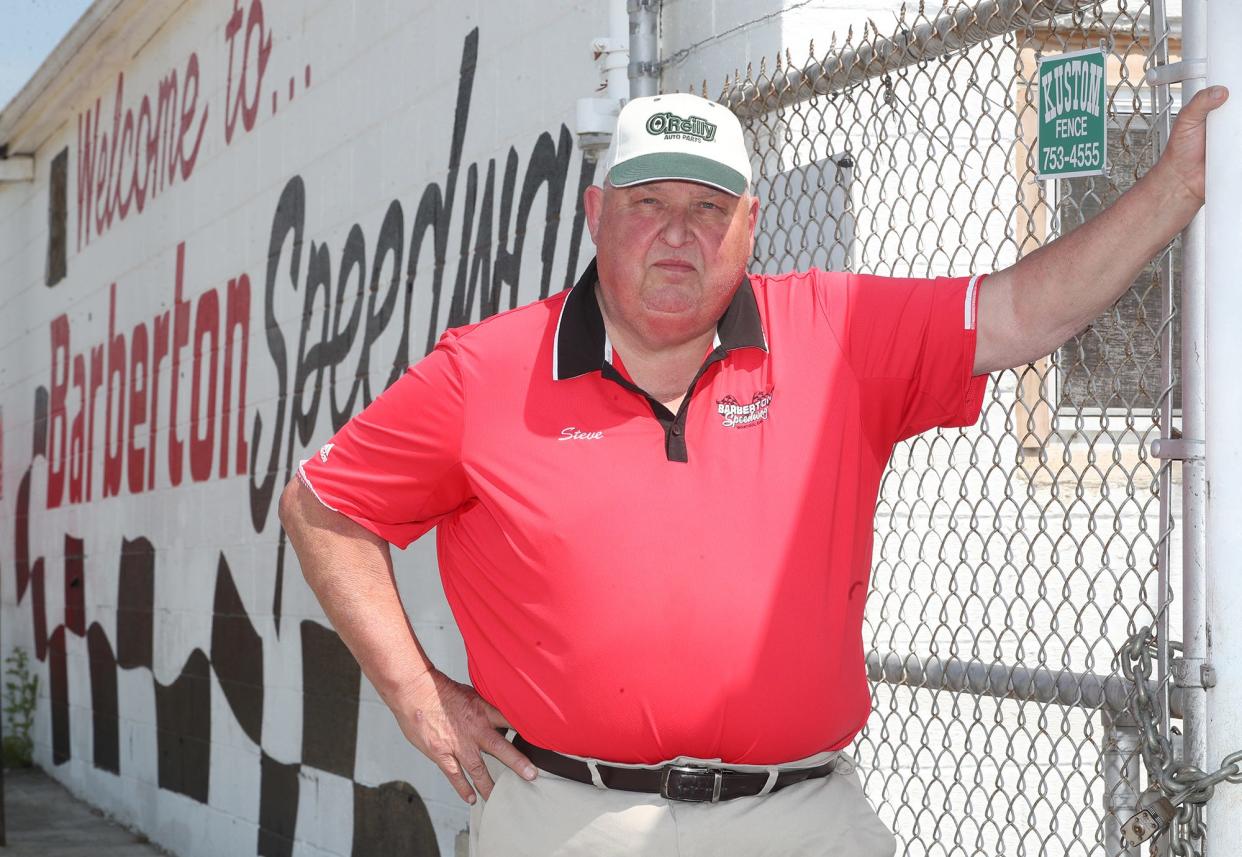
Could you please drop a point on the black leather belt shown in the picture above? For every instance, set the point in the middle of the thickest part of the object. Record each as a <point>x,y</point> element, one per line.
<point>675,782</point>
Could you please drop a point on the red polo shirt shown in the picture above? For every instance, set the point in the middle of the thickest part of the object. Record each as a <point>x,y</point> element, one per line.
<point>633,584</point>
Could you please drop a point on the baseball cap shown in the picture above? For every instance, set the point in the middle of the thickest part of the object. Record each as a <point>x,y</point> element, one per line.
<point>678,137</point>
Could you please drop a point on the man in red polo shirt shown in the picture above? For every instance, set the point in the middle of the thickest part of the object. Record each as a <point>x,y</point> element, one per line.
<point>653,496</point>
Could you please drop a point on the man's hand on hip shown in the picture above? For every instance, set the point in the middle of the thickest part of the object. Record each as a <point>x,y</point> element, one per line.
<point>349,568</point>
<point>453,726</point>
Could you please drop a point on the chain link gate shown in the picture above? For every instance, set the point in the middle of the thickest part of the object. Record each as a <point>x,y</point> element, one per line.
<point>1012,559</point>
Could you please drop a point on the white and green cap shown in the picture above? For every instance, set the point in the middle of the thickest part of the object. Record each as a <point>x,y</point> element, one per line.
<point>678,137</point>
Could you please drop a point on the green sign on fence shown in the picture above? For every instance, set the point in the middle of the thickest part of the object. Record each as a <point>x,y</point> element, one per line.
<point>1071,115</point>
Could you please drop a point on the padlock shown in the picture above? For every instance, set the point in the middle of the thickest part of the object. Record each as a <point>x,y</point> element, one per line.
<point>1156,814</point>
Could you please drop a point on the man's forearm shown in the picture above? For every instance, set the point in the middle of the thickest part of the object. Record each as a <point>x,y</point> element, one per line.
<point>1074,279</point>
<point>350,571</point>
<point>1031,308</point>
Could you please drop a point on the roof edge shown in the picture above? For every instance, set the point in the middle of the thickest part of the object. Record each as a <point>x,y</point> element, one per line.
<point>79,49</point>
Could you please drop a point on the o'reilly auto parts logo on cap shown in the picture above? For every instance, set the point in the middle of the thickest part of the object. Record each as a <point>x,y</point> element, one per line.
<point>676,127</point>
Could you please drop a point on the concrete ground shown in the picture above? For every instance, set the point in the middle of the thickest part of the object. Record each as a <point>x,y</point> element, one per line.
<point>42,819</point>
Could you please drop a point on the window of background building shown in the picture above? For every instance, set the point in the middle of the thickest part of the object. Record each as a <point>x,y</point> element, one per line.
<point>57,218</point>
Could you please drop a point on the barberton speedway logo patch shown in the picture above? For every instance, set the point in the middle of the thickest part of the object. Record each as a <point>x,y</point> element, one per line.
<point>737,415</point>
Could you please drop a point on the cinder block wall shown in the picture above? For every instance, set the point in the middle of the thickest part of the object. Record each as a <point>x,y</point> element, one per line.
<point>254,185</point>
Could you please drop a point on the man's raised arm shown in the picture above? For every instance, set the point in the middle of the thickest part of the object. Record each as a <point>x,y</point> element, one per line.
<point>350,571</point>
<point>1028,310</point>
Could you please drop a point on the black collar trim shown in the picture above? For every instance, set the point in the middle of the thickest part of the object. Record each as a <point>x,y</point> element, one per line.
<point>582,344</point>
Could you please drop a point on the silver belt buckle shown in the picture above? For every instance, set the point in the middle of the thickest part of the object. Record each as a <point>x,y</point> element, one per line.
<point>677,776</point>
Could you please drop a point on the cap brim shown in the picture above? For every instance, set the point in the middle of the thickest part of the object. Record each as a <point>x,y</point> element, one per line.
<point>677,166</point>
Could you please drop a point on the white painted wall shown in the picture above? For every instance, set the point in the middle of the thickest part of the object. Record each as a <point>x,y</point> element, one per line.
<point>709,39</point>
<point>357,101</point>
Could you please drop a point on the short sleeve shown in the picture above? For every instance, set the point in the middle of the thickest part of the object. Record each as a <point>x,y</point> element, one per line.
<point>916,339</point>
<point>395,467</point>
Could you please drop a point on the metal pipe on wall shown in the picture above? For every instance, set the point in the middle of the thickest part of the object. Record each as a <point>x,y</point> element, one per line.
<point>1223,435</point>
<point>644,48</point>
<point>597,114</point>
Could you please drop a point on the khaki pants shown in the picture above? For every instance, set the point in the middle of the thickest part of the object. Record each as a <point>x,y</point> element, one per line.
<point>555,817</point>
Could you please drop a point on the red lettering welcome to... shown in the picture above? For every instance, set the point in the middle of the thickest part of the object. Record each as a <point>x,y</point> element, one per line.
<point>145,152</point>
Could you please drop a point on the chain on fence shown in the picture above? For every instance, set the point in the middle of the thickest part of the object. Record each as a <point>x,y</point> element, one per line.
<point>1014,558</point>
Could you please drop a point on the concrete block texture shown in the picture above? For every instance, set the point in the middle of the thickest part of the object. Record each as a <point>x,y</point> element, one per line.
<point>244,181</point>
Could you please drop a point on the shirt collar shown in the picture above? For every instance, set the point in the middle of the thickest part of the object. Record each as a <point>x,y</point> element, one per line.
<point>582,344</point>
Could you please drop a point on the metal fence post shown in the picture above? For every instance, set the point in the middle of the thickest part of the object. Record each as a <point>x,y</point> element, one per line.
<point>1161,122</point>
<point>1122,764</point>
<point>1223,356</point>
<point>1194,619</point>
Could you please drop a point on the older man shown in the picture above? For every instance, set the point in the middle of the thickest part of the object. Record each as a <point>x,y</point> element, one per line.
<point>653,496</point>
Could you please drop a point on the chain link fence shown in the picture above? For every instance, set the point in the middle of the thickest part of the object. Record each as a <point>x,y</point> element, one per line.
<point>1014,558</point>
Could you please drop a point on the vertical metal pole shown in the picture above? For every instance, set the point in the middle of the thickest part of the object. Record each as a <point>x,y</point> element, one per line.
<point>644,48</point>
<point>1194,414</point>
<point>1164,555</point>
<point>1222,359</point>
<point>1122,769</point>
